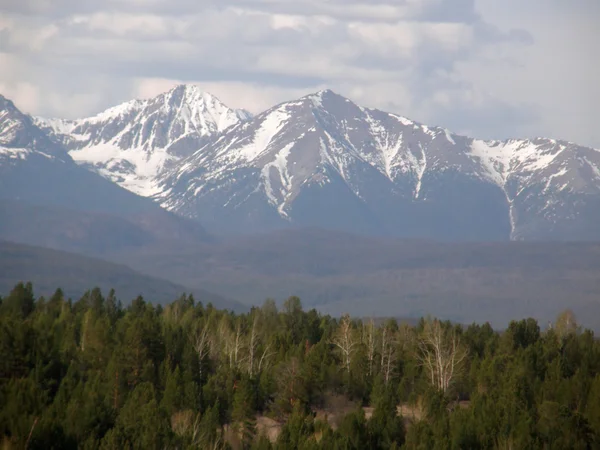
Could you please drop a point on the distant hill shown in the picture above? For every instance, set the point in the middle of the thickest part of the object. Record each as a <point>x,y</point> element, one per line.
<point>91,232</point>
<point>49,269</point>
<point>339,272</point>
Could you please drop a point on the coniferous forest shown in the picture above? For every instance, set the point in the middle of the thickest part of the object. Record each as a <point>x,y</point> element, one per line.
<point>91,373</point>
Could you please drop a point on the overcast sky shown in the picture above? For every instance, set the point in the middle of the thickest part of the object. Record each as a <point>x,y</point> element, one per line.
<point>488,68</point>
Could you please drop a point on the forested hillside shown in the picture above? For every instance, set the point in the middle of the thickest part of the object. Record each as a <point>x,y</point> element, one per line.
<point>47,268</point>
<point>93,373</point>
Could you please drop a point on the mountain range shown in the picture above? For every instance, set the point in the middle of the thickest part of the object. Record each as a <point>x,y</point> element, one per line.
<point>323,161</point>
<point>318,197</point>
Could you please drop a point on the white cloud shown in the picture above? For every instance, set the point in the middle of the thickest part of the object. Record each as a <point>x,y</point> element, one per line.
<point>459,63</point>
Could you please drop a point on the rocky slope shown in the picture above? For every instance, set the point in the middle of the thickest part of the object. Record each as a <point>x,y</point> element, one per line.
<point>324,161</point>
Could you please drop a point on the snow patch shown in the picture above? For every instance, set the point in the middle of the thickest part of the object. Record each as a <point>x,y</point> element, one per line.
<point>560,173</point>
<point>422,167</point>
<point>495,160</point>
<point>114,163</point>
<point>403,120</point>
<point>449,136</point>
<point>14,153</point>
<point>270,126</point>
<point>279,163</point>
<point>595,169</point>
<point>58,126</point>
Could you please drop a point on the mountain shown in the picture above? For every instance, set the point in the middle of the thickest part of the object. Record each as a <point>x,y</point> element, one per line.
<point>75,274</point>
<point>44,192</point>
<point>134,142</point>
<point>324,161</point>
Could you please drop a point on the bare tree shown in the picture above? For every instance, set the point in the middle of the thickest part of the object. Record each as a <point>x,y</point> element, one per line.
<point>384,344</point>
<point>264,359</point>
<point>253,344</point>
<point>345,340</point>
<point>441,353</point>
<point>187,423</point>
<point>566,324</point>
<point>226,344</point>
<point>237,343</point>
<point>201,341</point>
<point>369,341</point>
<point>388,352</point>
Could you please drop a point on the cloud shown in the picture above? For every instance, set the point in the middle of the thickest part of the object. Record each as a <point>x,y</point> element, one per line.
<point>78,57</point>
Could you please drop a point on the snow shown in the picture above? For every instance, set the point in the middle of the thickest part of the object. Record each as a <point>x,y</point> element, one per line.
<point>495,159</point>
<point>501,159</point>
<point>530,158</point>
<point>388,147</point>
<point>14,153</point>
<point>403,120</point>
<point>422,167</point>
<point>263,138</point>
<point>265,145</point>
<point>317,99</point>
<point>9,128</point>
<point>106,158</point>
<point>114,138</point>
<point>449,136</point>
<point>595,169</point>
<point>427,130</point>
<point>114,112</point>
<point>562,172</point>
<point>279,163</point>
<point>59,126</point>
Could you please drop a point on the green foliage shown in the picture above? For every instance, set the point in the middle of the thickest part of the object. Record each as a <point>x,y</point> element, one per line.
<point>93,374</point>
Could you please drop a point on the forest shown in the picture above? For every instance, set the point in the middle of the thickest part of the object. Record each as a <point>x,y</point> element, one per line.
<point>96,373</point>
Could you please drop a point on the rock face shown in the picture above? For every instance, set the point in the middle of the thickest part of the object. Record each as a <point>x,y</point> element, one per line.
<point>132,143</point>
<point>326,162</point>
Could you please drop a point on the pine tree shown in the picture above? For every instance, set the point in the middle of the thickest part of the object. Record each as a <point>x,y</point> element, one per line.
<point>243,414</point>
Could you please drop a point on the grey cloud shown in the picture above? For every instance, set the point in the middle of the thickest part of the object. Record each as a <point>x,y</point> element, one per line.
<point>381,10</point>
<point>5,40</point>
<point>207,40</point>
<point>452,11</point>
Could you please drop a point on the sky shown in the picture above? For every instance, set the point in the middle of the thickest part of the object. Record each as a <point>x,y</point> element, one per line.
<point>486,68</point>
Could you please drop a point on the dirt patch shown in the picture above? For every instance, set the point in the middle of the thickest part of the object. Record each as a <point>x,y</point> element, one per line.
<point>336,407</point>
<point>268,427</point>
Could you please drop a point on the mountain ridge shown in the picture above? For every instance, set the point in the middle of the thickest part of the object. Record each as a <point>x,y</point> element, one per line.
<point>324,138</point>
<point>324,161</point>
<point>132,142</point>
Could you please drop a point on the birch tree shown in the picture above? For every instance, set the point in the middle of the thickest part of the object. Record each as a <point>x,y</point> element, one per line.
<point>253,345</point>
<point>345,341</point>
<point>566,324</point>
<point>369,341</point>
<point>388,352</point>
<point>441,354</point>
<point>201,341</point>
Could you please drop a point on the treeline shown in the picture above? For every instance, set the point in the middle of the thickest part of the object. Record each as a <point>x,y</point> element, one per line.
<point>94,374</point>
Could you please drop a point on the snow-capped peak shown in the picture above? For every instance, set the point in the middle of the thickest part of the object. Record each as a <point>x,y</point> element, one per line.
<point>324,142</point>
<point>201,159</point>
<point>135,141</point>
